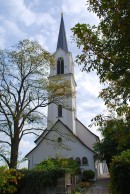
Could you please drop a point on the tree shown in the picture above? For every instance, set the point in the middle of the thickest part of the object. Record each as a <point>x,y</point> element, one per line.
<point>24,92</point>
<point>106,48</point>
<point>116,138</point>
<point>120,173</point>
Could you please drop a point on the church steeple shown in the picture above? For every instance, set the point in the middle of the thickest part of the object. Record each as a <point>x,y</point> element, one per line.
<point>63,70</point>
<point>62,42</point>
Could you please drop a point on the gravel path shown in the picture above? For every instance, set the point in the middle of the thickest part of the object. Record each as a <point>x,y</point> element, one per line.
<point>101,186</point>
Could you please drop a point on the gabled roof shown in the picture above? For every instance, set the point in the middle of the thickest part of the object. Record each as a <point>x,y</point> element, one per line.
<point>87,128</point>
<point>62,42</point>
<point>44,136</point>
<point>45,131</point>
<point>40,136</point>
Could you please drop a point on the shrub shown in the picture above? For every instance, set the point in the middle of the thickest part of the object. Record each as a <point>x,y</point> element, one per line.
<point>120,173</point>
<point>69,166</point>
<point>9,179</point>
<point>33,180</point>
<point>46,174</point>
<point>88,175</point>
<point>82,188</point>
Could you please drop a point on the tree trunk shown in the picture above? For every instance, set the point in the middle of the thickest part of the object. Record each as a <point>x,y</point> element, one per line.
<point>14,149</point>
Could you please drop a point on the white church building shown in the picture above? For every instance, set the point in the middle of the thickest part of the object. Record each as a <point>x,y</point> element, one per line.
<point>65,136</point>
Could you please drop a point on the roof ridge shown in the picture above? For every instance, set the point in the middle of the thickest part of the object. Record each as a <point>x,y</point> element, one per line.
<point>69,130</point>
<point>86,128</point>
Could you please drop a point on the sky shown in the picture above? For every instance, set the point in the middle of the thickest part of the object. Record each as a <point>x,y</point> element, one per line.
<point>40,20</point>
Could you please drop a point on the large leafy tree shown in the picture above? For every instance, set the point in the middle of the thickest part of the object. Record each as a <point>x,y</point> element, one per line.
<point>24,92</point>
<point>116,138</point>
<point>106,48</point>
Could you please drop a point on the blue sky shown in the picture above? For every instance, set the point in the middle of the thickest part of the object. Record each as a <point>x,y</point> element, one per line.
<point>39,20</point>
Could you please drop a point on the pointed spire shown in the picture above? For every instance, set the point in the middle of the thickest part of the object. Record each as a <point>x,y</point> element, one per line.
<point>62,42</point>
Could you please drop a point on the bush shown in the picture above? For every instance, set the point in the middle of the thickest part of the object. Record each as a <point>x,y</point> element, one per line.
<point>46,174</point>
<point>88,175</point>
<point>9,179</point>
<point>33,180</point>
<point>69,166</point>
<point>30,181</point>
<point>82,188</point>
<point>120,173</point>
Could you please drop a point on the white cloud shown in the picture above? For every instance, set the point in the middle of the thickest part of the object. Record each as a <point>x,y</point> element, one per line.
<point>44,19</point>
<point>24,14</point>
<point>41,39</point>
<point>78,12</point>
<point>33,3</point>
<point>24,144</point>
<point>13,28</point>
<point>88,103</point>
<point>2,38</point>
<point>88,82</point>
<point>20,11</point>
<point>72,7</point>
<point>2,31</point>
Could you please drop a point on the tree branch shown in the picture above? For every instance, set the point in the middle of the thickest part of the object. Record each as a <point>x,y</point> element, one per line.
<point>6,142</point>
<point>6,160</point>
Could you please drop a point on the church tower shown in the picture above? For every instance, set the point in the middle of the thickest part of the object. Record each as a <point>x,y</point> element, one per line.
<point>75,140</point>
<point>64,68</point>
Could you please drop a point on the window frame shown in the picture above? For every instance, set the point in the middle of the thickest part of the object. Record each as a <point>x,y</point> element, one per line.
<point>60,110</point>
<point>78,161</point>
<point>84,161</point>
<point>60,66</point>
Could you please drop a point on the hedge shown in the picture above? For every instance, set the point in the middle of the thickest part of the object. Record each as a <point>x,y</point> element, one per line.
<point>120,173</point>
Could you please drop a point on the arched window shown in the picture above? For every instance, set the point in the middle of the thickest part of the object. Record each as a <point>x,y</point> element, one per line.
<point>59,110</point>
<point>78,160</point>
<point>84,160</point>
<point>60,66</point>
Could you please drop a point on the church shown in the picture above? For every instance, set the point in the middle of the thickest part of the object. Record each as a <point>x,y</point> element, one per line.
<point>65,136</point>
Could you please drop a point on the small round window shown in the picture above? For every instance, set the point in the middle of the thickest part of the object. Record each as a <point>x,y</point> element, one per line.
<point>59,139</point>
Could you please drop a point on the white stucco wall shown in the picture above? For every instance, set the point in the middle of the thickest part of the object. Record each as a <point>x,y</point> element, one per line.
<point>70,147</point>
<point>85,135</point>
<point>68,116</point>
<point>68,62</point>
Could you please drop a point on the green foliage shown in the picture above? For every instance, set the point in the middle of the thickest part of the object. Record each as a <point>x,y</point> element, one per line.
<point>82,187</point>
<point>120,173</point>
<point>24,91</point>
<point>116,138</point>
<point>23,81</point>
<point>106,49</point>
<point>46,174</point>
<point>69,166</point>
<point>33,180</point>
<point>88,175</point>
<point>9,179</point>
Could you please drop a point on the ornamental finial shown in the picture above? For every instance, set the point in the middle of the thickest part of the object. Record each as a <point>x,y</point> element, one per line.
<point>61,13</point>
